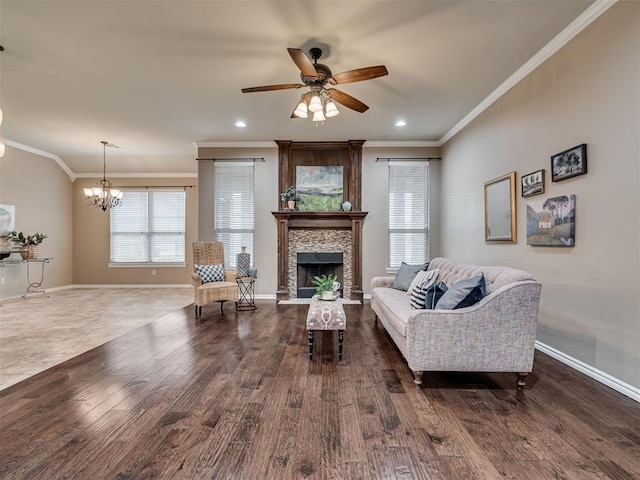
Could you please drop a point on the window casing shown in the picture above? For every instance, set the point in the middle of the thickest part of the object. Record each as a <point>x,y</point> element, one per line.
<point>149,228</point>
<point>408,213</point>
<point>234,207</point>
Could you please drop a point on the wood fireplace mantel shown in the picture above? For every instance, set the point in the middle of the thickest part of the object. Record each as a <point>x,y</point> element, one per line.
<point>287,220</point>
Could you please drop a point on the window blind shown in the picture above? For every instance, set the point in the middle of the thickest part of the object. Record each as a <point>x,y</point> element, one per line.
<point>234,209</point>
<point>408,213</point>
<point>149,227</point>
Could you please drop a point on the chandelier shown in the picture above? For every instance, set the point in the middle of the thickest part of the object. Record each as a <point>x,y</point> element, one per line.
<point>103,196</point>
<point>318,101</point>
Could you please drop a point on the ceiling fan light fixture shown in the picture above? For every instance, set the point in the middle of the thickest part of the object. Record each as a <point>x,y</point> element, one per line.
<point>318,116</point>
<point>301,110</point>
<point>331,110</point>
<point>315,105</point>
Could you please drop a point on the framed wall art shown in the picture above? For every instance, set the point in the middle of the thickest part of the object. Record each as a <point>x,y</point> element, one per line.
<point>500,209</point>
<point>552,221</point>
<point>532,183</point>
<point>570,163</point>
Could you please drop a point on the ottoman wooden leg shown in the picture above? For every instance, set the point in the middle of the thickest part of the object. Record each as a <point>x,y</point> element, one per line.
<point>310,336</point>
<point>340,340</point>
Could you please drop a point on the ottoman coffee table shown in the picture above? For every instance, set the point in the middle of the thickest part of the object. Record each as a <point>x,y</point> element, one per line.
<point>326,315</point>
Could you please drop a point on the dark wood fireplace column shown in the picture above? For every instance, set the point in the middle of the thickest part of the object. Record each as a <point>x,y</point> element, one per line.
<point>287,220</point>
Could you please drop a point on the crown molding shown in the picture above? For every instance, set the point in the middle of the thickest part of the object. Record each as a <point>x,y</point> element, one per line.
<point>396,144</point>
<point>565,36</point>
<point>42,153</point>
<point>139,175</point>
<point>268,144</point>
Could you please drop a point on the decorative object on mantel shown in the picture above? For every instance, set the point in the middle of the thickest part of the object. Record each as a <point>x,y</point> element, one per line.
<point>289,195</point>
<point>243,261</point>
<point>552,221</point>
<point>103,196</point>
<point>29,244</point>
<point>570,163</point>
<point>346,206</point>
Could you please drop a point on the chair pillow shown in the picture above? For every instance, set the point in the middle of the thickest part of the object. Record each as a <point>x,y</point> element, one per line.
<point>210,273</point>
<point>434,293</point>
<point>463,294</point>
<point>406,273</point>
<point>418,292</point>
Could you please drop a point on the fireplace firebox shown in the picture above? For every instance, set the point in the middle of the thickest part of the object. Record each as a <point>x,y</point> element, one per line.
<point>311,264</point>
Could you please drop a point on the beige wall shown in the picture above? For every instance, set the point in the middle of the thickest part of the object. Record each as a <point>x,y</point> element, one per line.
<point>266,183</point>
<point>91,238</point>
<point>42,194</point>
<point>375,244</point>
<point>589,92</point>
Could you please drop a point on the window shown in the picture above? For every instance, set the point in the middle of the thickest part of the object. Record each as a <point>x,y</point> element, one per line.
<point>149,227</point>
<point>234,208</point>
<point>408,213</point>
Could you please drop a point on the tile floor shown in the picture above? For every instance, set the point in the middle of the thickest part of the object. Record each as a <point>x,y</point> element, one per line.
<point>39,332</point>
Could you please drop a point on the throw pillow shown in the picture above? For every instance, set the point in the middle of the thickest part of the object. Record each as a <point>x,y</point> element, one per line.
<point>463,294</point>
<point>210,273</point>
<point>434,293</point>
<point>421,277</point>
<point>418,292</point>
<point>405,274</point>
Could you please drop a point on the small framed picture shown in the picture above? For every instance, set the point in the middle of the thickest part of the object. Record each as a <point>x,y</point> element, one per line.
<point>532,183</point>
<point>570,163</point>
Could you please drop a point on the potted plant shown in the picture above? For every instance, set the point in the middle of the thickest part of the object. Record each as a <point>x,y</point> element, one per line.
<point>29,244</point>
<point>326,286</point>
<point>289,196</point>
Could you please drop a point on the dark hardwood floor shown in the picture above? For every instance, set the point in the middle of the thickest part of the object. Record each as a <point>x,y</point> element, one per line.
<point>236,397</point>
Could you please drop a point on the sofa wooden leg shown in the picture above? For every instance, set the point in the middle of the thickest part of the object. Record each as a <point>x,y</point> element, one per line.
<point>520,383</point>
<point>221,305</point>
<point>417,377</point>
<point>196,308</point>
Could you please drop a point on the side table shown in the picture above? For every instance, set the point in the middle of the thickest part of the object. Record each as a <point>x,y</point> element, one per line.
<point>35,286</point>
<point>246,290</point>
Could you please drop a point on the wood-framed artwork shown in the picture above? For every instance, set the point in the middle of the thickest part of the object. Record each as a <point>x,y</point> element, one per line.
<point>532,183</point>
<point>500,209</point>
<point>570,163</point>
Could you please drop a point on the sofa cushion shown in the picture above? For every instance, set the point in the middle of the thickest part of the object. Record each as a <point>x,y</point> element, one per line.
<point>395,307</point>
<point>434,293</point>
<point>406,274</point>
<point>419,287</point>
<point>463,294</point>
<point>210,273</point>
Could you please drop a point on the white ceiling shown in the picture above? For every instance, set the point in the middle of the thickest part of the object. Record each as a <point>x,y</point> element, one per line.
<point>155,77</point>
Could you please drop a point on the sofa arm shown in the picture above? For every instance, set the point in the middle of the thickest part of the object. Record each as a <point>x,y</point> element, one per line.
<point>496,334</point>
<point>381,282</point>
<point>230,275</point>
<point>195,279</point>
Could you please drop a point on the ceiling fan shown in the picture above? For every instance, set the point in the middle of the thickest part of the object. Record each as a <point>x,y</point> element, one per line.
<point>316,76</point>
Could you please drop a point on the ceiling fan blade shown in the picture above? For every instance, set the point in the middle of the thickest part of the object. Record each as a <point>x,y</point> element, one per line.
<point>303,62</point>
<point>359,74</point>
<point>268,88</point>
<point>347,100</point>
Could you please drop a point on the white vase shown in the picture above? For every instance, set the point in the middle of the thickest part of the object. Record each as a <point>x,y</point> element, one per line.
<point>346,206</point>
<point>291,204</point>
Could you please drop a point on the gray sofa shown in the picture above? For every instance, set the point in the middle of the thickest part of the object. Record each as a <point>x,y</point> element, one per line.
<point>497,334</point>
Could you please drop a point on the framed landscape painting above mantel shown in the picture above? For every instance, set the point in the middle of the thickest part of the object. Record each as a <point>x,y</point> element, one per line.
<point>320,188</point>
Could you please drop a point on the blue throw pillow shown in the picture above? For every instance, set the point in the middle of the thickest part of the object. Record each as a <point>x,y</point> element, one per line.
<point>210,273</point>
<point>433,295</point>
<point>405,275</point>
<point>463,294</point>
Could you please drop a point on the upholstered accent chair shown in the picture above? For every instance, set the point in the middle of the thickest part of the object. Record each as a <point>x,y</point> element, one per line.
<point>225,290</point>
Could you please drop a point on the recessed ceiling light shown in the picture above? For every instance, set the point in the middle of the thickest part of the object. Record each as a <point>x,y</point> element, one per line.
<point>400,123</point>
<point>240,124</point>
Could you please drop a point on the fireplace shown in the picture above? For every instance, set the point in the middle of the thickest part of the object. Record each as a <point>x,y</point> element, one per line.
<point>319,232</point>
<point>313,264</point>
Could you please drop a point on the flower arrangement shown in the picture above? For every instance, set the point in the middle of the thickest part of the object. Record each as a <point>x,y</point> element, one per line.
<point>289,194</point>
<point>20,239</point>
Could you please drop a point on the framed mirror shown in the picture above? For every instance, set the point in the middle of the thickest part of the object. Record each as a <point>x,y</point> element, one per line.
<point>500,209</point>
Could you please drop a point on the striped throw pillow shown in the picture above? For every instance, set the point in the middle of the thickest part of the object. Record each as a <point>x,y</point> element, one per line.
<point>418,292</point>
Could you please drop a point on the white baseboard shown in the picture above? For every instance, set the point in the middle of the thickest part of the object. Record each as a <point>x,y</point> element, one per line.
<point>602,377</point>
<point>126,285</point>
